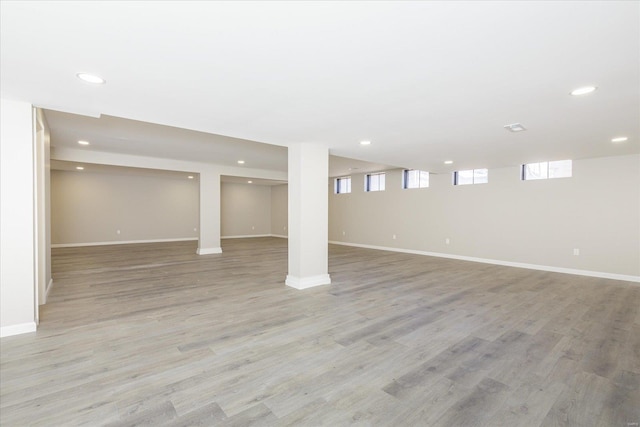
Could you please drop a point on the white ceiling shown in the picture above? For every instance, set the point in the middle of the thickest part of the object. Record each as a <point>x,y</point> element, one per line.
<point>61,165</point>
<point>117,135</point>
<point>424,81</point>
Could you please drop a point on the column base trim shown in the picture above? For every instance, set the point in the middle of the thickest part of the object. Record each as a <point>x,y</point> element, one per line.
<point>23,328</point>
<point>209,251</point>
<point>307,282</point>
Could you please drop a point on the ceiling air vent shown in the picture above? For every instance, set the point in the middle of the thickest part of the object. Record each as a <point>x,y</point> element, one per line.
<point>515,127</point>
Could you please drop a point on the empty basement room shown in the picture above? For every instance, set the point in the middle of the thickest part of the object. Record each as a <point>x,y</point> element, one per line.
<point>320,213</point>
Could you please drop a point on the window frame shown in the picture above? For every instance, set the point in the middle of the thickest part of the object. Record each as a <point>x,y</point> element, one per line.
<point>547,175</point>
<point>405,179</point>
<point>337,182</point>
<point>367,181</point>
<point>456,179</point>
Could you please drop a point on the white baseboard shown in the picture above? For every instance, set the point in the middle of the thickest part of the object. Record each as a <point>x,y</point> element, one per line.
<point>120,242</point>
<point>22,328</point>
<point>209,251</point>
<point>246,236</point>
<point>128,242</point>
<point>308,282</point>
<point>599,274</point>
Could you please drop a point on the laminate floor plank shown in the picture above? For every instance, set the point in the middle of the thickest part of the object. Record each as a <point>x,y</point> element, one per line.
<point>206,416</point>
<point>424,404</point>
<point>477,407</point>
<point>257,415</point>
<point>154,334</point>
<point>581,403</point>
<point>630,356</point>
<point>524,358</point>
<point>154,416</point>
<point>528,405</point>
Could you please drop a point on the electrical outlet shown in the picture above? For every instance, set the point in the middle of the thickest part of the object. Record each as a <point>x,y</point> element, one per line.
<point>117,231</point>
<point>344,233</point>
<point>394,237</point>
<point>253,227</point>
<point>195,229</point>
<point>576,251</point>
<point>447,241</point>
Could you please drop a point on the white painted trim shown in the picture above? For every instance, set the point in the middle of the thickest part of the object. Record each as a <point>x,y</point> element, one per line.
<point>308,282</point>
<point>280,236</point>
<point>46,291</point>
<point>245,236</point>
<point>121,242</point>
<point>23,328</point>
<point>209,251</point>
<point>599,274</point>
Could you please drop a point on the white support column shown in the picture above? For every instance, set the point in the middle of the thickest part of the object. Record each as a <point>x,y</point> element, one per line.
<point>17,219</point>
<point>308,216</point>
<point>209,242</point>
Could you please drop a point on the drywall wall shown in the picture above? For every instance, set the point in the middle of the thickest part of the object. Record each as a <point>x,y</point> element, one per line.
<point>209,225</point>
<point>245,210</point>
<point>43,206</point>
<point>88,208</point>
<point>280,210</point>
<point>597,211</point>
<point>17,219</point>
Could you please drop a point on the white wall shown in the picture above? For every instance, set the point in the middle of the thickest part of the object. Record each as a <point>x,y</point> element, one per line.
<point>43,207</point>
<point>209,230</point>
<point>17,219</point>
<point>280,210</point>
<point>245,209</point>
<point>531,222</point>
<point>90,207</point>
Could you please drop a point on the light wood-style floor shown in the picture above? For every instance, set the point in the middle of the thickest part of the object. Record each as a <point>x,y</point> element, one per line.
<point>155,335</point>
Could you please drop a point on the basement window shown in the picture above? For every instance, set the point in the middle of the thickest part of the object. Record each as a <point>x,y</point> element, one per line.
<point>374,182</point>
<point>471,176</point>
<point>342,185</point>
<point>546,170</point>
<point>415,179</point>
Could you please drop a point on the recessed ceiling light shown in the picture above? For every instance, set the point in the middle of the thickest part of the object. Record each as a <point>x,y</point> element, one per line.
<point>83,142</point>
<point>365,142</point>
<point>515,127</point>
<point>620,139</point>
<point>241,162</point>
<point>91,78</point>
<point>583,90</point>
<point>80,168</point>
<point>249,182</point>
<point>190,177</point>
<point>448,162</point>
